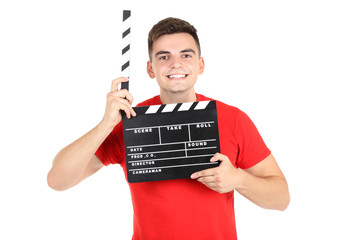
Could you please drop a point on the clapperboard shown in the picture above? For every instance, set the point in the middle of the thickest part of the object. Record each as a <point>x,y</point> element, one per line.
<point>170,141</point>
<point>165,142</point>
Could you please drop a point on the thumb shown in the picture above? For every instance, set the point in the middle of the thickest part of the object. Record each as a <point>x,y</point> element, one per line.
<point>219,157</point>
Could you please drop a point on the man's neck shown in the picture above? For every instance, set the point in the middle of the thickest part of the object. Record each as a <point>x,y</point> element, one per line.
<point>180,97</point>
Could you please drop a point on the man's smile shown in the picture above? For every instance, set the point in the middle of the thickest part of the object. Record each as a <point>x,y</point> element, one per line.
<point>177,76</point>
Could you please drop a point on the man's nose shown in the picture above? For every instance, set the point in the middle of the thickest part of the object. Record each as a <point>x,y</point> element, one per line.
<point>175,63</point>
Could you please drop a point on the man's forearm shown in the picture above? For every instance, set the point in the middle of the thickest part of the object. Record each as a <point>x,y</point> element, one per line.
<point>269,192</point>
<point>70,163</point>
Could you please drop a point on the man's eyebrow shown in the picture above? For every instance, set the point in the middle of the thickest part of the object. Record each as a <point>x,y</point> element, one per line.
<point>188,50</point>
<point>182,51</point>
<point>161,52</point>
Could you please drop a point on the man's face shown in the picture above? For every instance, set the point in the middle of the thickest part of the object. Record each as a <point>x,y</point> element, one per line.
<point>175,62</point>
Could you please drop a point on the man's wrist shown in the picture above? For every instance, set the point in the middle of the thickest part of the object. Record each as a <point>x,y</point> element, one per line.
<point>104,128</point>
<point>241,180</point>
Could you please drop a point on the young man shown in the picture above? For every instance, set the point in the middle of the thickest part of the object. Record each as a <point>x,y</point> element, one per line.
<point>201,207</point>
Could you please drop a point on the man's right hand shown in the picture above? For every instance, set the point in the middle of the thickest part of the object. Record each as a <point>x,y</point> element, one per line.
<point>77,161</point>
<point>117,100</point>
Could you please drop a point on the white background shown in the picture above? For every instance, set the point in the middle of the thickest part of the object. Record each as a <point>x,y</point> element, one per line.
<point>292,66</point>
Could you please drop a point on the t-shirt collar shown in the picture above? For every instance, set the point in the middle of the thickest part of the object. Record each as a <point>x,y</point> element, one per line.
<point>199,98</point>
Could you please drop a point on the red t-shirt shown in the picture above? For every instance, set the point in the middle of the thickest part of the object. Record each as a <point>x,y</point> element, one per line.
<point>186,209</point>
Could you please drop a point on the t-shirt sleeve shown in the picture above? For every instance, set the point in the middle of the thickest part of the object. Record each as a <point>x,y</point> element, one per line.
<point>111,151</point>
<point>252,148</point>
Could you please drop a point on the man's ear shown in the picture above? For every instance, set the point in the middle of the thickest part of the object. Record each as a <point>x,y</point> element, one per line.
<point>149,70</point>
<point>201,65</point>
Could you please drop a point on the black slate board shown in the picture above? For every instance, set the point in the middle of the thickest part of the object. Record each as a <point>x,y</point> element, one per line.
<point>170,141</point>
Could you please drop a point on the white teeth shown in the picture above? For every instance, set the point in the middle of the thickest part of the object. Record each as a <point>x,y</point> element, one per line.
<point>177,76</point>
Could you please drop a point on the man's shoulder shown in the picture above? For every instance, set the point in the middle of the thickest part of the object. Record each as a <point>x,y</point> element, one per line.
<point>228,111</point>
<point>225,108</point>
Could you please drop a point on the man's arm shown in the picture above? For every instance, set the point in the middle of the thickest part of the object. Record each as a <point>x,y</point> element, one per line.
<point>264,184</point>
<point>78,160</point>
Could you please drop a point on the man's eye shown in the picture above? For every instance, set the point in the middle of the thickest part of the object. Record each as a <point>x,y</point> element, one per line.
<point>186,56</point>
<point>163,57</point>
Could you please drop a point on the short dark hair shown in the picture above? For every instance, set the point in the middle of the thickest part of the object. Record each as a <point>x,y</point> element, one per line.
<point>170,26</point>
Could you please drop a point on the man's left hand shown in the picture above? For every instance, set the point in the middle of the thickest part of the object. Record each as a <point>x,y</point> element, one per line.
<point>221,179</point>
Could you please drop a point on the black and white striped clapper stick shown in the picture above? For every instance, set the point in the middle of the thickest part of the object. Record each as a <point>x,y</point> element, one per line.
<point>125,57</point>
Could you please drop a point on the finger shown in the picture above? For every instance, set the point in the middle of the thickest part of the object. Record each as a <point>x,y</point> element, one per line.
<point>119,96</point>
<point>207,180</point>
<point>219,157</point>
<point>116,82</point>
<point>203,173</point>
<point>125,94</point>
<point>123,105</point>
<point>126,107</point>
<point>128,103</point>
<point>117,103</point>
